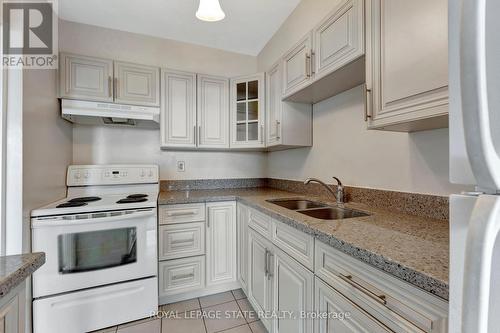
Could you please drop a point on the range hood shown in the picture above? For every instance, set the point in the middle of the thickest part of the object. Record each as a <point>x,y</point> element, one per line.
<point>105,114</point>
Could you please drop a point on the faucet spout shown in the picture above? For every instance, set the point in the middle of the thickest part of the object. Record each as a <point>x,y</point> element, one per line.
<point>339,195</point>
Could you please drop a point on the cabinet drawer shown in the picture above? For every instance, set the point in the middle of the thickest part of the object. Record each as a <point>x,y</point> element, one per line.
<point>181,275</point>
<point>397,304</point>
<point>295,243</point>
<point>182,213</point>
<point>260,223</point>
<point>181,240</point>
<point>328,300</point>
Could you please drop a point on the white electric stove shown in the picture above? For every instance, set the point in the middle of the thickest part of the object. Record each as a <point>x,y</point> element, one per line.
<point>101,250</point>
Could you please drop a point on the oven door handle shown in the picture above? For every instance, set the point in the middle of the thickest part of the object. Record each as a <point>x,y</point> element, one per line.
<point>60,222</point>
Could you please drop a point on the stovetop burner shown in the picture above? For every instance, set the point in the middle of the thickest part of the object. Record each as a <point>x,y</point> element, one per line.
<point>131,200</point>
<point>71,204</point>
<point>137,196</point>
<point>85,199</point>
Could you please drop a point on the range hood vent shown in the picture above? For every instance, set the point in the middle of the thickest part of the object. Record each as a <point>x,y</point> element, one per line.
<point>110,114</point>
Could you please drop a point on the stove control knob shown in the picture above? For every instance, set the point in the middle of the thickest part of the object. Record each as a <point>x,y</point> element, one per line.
<point>78,175</point>
<point>107,174</point>
<point>143,173</point>
<point>150,174</point>
<point>86,175</point>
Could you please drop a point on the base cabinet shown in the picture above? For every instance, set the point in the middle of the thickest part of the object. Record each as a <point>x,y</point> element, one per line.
<point>242,229</point>
<point>12,310</point>
<point>343,315</point>
<point>221,243</point>
<point>293,294</point>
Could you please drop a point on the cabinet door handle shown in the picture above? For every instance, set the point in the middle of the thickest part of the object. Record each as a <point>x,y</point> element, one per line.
<point>265,264</point>
<point>110,86</point>
<point>374,295</point>
<point>269,261</point>
<point>308,65</point>
<point>278,129</point>
<point>199,134</point>
<point>261,133</point>
<point>115,86</point>
<point>195,133</point>
<point>313,62</point>
<point>367,101</point>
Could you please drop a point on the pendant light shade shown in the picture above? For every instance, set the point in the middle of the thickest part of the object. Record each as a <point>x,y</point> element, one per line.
<point>209,10</point>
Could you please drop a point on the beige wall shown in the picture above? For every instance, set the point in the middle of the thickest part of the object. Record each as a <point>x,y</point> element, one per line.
<point>47,142</point>
<point>114,145</point>
<point>343,147</point>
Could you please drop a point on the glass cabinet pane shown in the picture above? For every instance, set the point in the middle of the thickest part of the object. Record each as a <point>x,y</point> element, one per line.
<point>253,89</point>
<point>253,110</point>
<point>241,132</point>
<point>241,111</point>
<point>241,91</point>
<point>87,251</point>
<point>253,131</point>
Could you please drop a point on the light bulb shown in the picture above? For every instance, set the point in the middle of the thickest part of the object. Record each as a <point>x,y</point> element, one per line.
<point>209,10</point>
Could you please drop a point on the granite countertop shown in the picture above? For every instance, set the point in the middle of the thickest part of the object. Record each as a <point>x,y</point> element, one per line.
<point>411,248</point>
<point>15,269</point>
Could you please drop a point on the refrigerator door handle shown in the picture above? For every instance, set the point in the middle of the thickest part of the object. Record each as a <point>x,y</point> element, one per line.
<point>484,227</point>
<point>479,78</point>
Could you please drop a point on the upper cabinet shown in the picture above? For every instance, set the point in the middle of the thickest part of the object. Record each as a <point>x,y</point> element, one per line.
<point>407,65</point>
<point>329,59</point>
<point>297,65</point>
<point>247,111</point>
<point>85,78</point>
<point>213,112</point>
<point>103,80</point>
<point>288,124</point>
<point>136,84</point>
<point>178,109</point>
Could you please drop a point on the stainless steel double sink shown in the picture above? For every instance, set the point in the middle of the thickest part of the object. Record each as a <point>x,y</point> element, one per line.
<point>318,210</point>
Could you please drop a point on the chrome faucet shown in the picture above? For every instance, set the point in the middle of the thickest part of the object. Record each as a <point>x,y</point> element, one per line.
<point>339,194</point>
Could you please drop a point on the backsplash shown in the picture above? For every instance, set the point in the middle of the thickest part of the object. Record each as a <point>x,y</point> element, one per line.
<point>424,205</point>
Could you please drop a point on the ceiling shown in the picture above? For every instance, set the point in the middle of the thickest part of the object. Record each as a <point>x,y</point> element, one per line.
<point>248,26</point>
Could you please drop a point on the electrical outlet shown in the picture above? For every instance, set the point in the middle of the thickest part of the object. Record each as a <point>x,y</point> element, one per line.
<point>181,166</point>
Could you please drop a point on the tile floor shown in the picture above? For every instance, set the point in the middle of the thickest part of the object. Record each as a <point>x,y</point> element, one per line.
<point>237,316</point>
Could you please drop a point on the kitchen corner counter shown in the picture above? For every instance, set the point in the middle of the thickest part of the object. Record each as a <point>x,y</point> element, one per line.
<point>412,248</point>
<point>17,268</point>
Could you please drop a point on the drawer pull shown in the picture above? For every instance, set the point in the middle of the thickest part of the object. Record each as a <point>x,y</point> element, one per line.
<point>183,276</point>
<point>182,241</point>
<point>377,297</point>
<point>181,213</point>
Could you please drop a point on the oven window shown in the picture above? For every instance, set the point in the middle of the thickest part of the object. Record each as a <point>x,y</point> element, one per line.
<point>88,251</point>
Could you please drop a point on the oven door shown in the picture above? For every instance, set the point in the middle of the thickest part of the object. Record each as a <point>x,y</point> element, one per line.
<point>95,249</point>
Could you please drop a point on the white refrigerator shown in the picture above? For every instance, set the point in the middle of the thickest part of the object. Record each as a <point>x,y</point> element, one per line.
<point>474,81</point>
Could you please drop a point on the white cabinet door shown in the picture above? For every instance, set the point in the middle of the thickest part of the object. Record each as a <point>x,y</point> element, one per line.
<point>407,64</point>
<point>178,109</point>
<point>339,38</point>
<point>274,105</point>
<point>86,78</point>
<point>260,284</point>
<point>329,301</point>
<point>248,111</point>
<point>213,112</point>
<point>137,84</point>
<point>221,243</point>
<point>293,293</point>
<point>242,227</point>
<point>297,66</point>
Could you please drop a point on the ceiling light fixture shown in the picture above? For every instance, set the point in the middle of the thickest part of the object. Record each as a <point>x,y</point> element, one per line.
<point>209,10</point>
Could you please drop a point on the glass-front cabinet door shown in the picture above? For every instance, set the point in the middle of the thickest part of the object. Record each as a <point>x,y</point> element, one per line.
<point>247,111</point>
